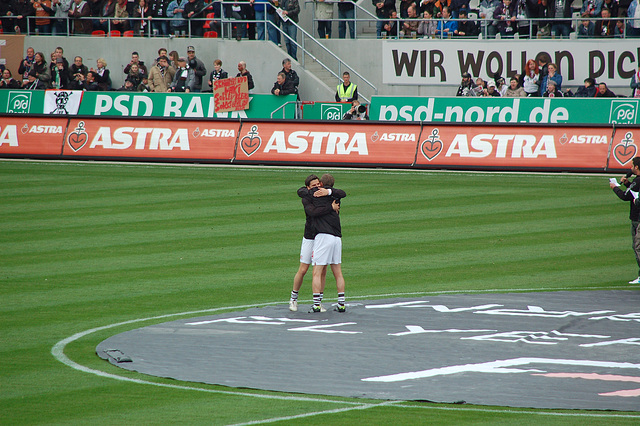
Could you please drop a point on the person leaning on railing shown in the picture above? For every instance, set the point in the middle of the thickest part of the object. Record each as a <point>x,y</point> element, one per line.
<point>79,10</point>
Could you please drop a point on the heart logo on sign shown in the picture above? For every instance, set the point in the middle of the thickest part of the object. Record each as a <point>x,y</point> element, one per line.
<point>432,146</point>
<point>251,142</point>
<point>625,150</point>
<point>78,138</point>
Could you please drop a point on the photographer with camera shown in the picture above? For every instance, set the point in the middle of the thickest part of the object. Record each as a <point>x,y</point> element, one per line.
<point>357,112</point>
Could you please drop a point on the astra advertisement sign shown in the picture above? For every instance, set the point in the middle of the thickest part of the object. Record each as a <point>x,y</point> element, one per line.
<point>443,62</point>
<point>410,145</point>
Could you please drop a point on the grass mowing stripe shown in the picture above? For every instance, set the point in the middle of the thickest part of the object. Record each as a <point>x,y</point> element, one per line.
<point>101,242</point>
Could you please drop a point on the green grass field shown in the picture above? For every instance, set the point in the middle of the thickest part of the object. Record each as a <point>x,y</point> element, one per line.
<point>88,245</point>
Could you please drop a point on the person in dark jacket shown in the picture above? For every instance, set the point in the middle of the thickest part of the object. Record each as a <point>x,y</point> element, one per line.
<point>588,90</point>
<point>193,11</point>
<point>604,91</point>
<point>282,87</point>
<point>8,82</point>
<point>244,72</point>
<point>634,210</point>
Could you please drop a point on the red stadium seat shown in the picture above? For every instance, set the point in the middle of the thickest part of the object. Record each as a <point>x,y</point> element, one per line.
<point>98,33</point>
<point>115,33</point>
<point>211,34</point>
<point>127,33</point>
<point>207,24</point>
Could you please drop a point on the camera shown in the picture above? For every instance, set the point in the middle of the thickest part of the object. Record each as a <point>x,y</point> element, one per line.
<point>362,109</point>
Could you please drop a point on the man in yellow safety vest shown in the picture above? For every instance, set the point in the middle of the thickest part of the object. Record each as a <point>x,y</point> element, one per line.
<point>347,91</point>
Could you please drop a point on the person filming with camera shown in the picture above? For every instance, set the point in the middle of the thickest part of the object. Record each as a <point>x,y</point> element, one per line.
<point>357,112</point>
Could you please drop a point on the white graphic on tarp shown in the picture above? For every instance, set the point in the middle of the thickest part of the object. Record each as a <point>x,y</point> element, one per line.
<point>537,311</point>
<point>629,341</point>
<point>252,320</point>
<point>416,329</point>
<point>325,328</point>
<point>497,367</point>
<point>622,317</point>
<point>534,337</point>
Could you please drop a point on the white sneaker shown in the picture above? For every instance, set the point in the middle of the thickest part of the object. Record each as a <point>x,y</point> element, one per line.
<point>293,305</point>
<point>636,281</point>
<point>323,309</point>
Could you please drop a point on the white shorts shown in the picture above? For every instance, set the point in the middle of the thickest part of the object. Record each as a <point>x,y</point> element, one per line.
<point>306,251</point>
<point>327,250</point>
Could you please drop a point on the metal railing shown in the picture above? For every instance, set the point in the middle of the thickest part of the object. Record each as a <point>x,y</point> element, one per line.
<point>196,27</point>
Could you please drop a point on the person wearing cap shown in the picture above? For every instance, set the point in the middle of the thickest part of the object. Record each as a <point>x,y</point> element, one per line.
<point>60,75</point>
<point>184,80</point>
<point>492,90</point>
<point>33,83</point>
<point>198,68</point>
<point>466,86</point>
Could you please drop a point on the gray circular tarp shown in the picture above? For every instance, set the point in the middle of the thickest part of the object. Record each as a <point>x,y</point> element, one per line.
<point>576,350</point>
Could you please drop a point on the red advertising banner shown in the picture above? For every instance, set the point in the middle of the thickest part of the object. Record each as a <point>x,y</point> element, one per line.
<point>341,142</point>
<point>189,140</point>
<point>624,148</point>
<point>24,135</point>
<point>515,146</point>
<point>540,147</point>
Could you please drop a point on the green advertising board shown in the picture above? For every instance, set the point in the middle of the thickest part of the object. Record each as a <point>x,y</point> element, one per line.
<point>186,105</point>
<point>22,101</point>
<point>325,110</point>
<point>134,104</point>
<point>506,110</point>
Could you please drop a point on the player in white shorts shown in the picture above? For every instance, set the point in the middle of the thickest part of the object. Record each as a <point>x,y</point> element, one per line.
<point>306,249</point>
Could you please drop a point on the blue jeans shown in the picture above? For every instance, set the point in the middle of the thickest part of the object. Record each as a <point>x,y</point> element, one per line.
<point>342,25</point>
<point>260,24</point>
<point>161,25</point>
<point>379,27</point>
<point>291,30</point>
<point>272,28</point>
<point>560,30</point>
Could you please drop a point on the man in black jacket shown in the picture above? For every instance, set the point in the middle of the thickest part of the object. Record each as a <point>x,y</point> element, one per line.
<point>631,193</point>
<point>323,208</point>
<point>282,87</point>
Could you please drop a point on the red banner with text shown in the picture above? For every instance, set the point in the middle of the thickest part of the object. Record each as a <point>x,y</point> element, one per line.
<point>188,140</point>
<point>28,135</point>
<point>508,147</point>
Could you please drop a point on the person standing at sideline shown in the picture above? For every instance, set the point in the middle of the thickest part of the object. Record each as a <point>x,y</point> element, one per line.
<point>634,210</point>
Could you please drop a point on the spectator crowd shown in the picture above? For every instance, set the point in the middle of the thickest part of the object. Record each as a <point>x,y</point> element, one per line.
<point>540,77</point>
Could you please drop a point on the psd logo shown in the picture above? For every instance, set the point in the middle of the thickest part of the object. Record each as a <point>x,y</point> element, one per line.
<point>19,103</point>
<point>331,112</point>
<point>623,112</point>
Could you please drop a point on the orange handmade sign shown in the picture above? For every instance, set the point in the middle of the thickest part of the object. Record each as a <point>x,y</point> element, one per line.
<point>231,94</point>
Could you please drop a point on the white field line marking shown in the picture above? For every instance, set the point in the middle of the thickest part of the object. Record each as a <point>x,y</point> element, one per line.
<point>58,353</point>
<point>317,413</point>
<point>355,170</point>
